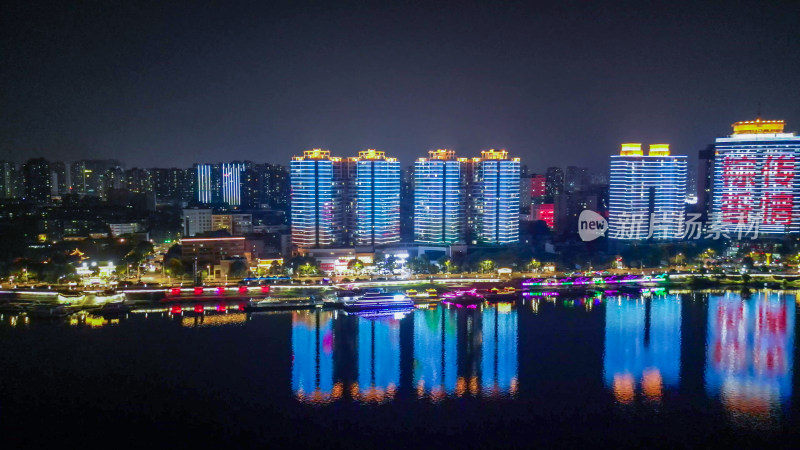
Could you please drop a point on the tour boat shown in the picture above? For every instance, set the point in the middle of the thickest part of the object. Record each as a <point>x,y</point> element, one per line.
<point>505,294</point>
<point>413,293</point>
<point>463,297</point>
<point>377,300</point>
<point>267,304</point>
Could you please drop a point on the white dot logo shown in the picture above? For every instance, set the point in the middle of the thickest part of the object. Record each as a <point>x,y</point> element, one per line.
<point>591,225</point>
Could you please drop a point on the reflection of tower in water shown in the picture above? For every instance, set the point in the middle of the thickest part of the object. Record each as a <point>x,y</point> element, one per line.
<point>435,355</point>
<point>456,352</point>
<point>499,363</point>
<point>378,360</point>
<point>467,352</point>
<point>312,357</point>
<point>469,346</point>
<point>749,358</point>
<point>642,345</point>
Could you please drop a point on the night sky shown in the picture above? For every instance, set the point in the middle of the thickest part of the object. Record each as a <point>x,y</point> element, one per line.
<point>161,84</point>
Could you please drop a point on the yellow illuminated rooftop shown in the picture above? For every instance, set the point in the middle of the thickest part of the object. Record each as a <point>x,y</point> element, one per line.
<point>659,150</point>
<point>442,154</point>
<point>371,153</point>
<point>631,149</point>
<point>317,153</point>
<point>758,126</point>
<point>494,154</point>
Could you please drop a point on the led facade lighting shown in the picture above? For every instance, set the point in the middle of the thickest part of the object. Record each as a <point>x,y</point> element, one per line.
<point>231,183</point>
<point>496,190</point>
<point>756,179</point>
<point>438,199</point>
<point>316,200</point>
<point>377,193</point>
<point>205,183</point>
<point>647,194</point>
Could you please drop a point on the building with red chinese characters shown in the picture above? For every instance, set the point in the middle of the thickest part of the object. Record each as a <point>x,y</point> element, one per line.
<point>756,186</point>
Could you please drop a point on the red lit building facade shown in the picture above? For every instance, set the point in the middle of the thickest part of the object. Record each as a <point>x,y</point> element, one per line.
<point>756,179</point>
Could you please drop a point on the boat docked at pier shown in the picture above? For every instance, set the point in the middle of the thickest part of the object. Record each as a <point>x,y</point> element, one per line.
<point>271,304</point>
<point>372,300</point>
<point>505,294</point>
<point>463,297</point>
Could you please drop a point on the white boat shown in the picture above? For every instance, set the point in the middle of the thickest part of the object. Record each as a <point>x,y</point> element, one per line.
<point>378,300</point>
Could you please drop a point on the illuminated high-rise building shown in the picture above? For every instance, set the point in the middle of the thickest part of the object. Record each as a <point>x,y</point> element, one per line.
<point>87,176</point>
<point>317,199</point>
<point>756,179</point>
<point>438,199</point>
<point>38,180</point>
<point>576,179</point>
<point>647,194</point>
<point>231,182</point>
<point>169,185</point>
<point>554,182</point>
<point>495,189</point>
<point>207,183</point>
<point>10,180</point>
<point>377,212</point>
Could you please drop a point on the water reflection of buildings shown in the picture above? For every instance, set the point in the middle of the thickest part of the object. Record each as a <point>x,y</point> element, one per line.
<point>312,357</point>
<point>750,345</point>
<point>642,346</point>
<point>466,352</point>
<point>455,353</point>
<point>378,360</point>
<point>435,357</point>
<point>499,363</point>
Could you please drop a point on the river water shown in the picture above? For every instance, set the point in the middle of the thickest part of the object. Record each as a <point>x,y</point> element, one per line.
<point>675,368</point>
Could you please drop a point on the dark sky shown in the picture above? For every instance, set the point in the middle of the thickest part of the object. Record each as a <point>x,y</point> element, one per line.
<point>165,83</point>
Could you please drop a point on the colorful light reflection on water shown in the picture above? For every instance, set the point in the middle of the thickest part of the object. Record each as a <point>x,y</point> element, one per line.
<point>642,346</point>
<point>676,366</point>
<point>750,354</point>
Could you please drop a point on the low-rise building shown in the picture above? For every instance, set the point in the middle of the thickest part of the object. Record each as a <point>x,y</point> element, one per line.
<point>196,221</point>
<point>212,250</point>
<point>118,229</point>
<point>235,224</point>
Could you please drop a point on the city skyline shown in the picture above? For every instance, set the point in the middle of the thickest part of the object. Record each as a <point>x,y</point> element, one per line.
<point>308,223</point>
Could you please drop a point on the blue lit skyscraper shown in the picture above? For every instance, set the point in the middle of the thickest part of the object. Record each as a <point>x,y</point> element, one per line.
<point>377,210</point>
<point>496,192</point>
<point>231,182</point>
<point>438,199</point>
<point>647,194</point>
<point>317,204</point>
